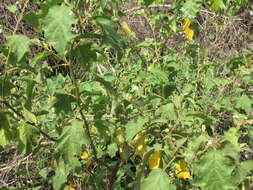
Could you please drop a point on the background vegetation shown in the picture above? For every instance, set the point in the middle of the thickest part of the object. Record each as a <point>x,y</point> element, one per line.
<point>143,95</point>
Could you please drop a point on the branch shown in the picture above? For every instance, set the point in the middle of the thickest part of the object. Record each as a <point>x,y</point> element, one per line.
<point>28,122</point>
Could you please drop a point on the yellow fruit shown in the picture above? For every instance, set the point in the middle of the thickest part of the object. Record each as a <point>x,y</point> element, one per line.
<point>71,186</point>
<point>182,170</point>
<point>155,160</point>
<point>187,24</point>
<point>93,130</point>
<point>125,29</point>
<point>85,155</point>
<point>139,144</point>
<point>188,32</point>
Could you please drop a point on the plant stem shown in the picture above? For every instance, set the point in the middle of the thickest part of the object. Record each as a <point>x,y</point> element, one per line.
<point>78,98</point>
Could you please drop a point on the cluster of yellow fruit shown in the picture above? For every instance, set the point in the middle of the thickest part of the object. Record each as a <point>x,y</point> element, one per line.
<point>155,160</point>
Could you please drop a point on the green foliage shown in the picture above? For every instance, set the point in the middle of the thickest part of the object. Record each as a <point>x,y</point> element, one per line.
<point>245,103</point>
<point>135,126</point>
<point>217,5</point>
<point>213,171</point>
<point>190,8</point>
<point>93,105</point>
<point>19,45</point>
<point>157,180</point>
<point>57,26</point>
<point>70,148</point>
<point>26,137</point>
<point>5,132</point>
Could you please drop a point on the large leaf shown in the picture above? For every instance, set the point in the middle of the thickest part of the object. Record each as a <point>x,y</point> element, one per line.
<point>57,25</point>
<point>134,126</point>
<point>62,103</point>
<point>214,171</point>
<point>19,45</point>
<point>71,141</point>
<point>157,180</point>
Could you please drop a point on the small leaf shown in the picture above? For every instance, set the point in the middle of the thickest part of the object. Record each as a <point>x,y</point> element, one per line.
<point>245,103</point>
<point>148,2</point>
<point>182,170</point>
<point>110,35</point>
<point>157,180</point>
<point>12,8</point>
<point>30,84</point>
<point>158,73</point>
<point>217,5</point>
<point>40,56</point>
<point>29,116</point>
<point>19,45</point>
<point>32,19</point>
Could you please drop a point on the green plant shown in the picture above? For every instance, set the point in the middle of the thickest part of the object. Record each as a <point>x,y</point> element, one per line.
<point>117,102</point>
